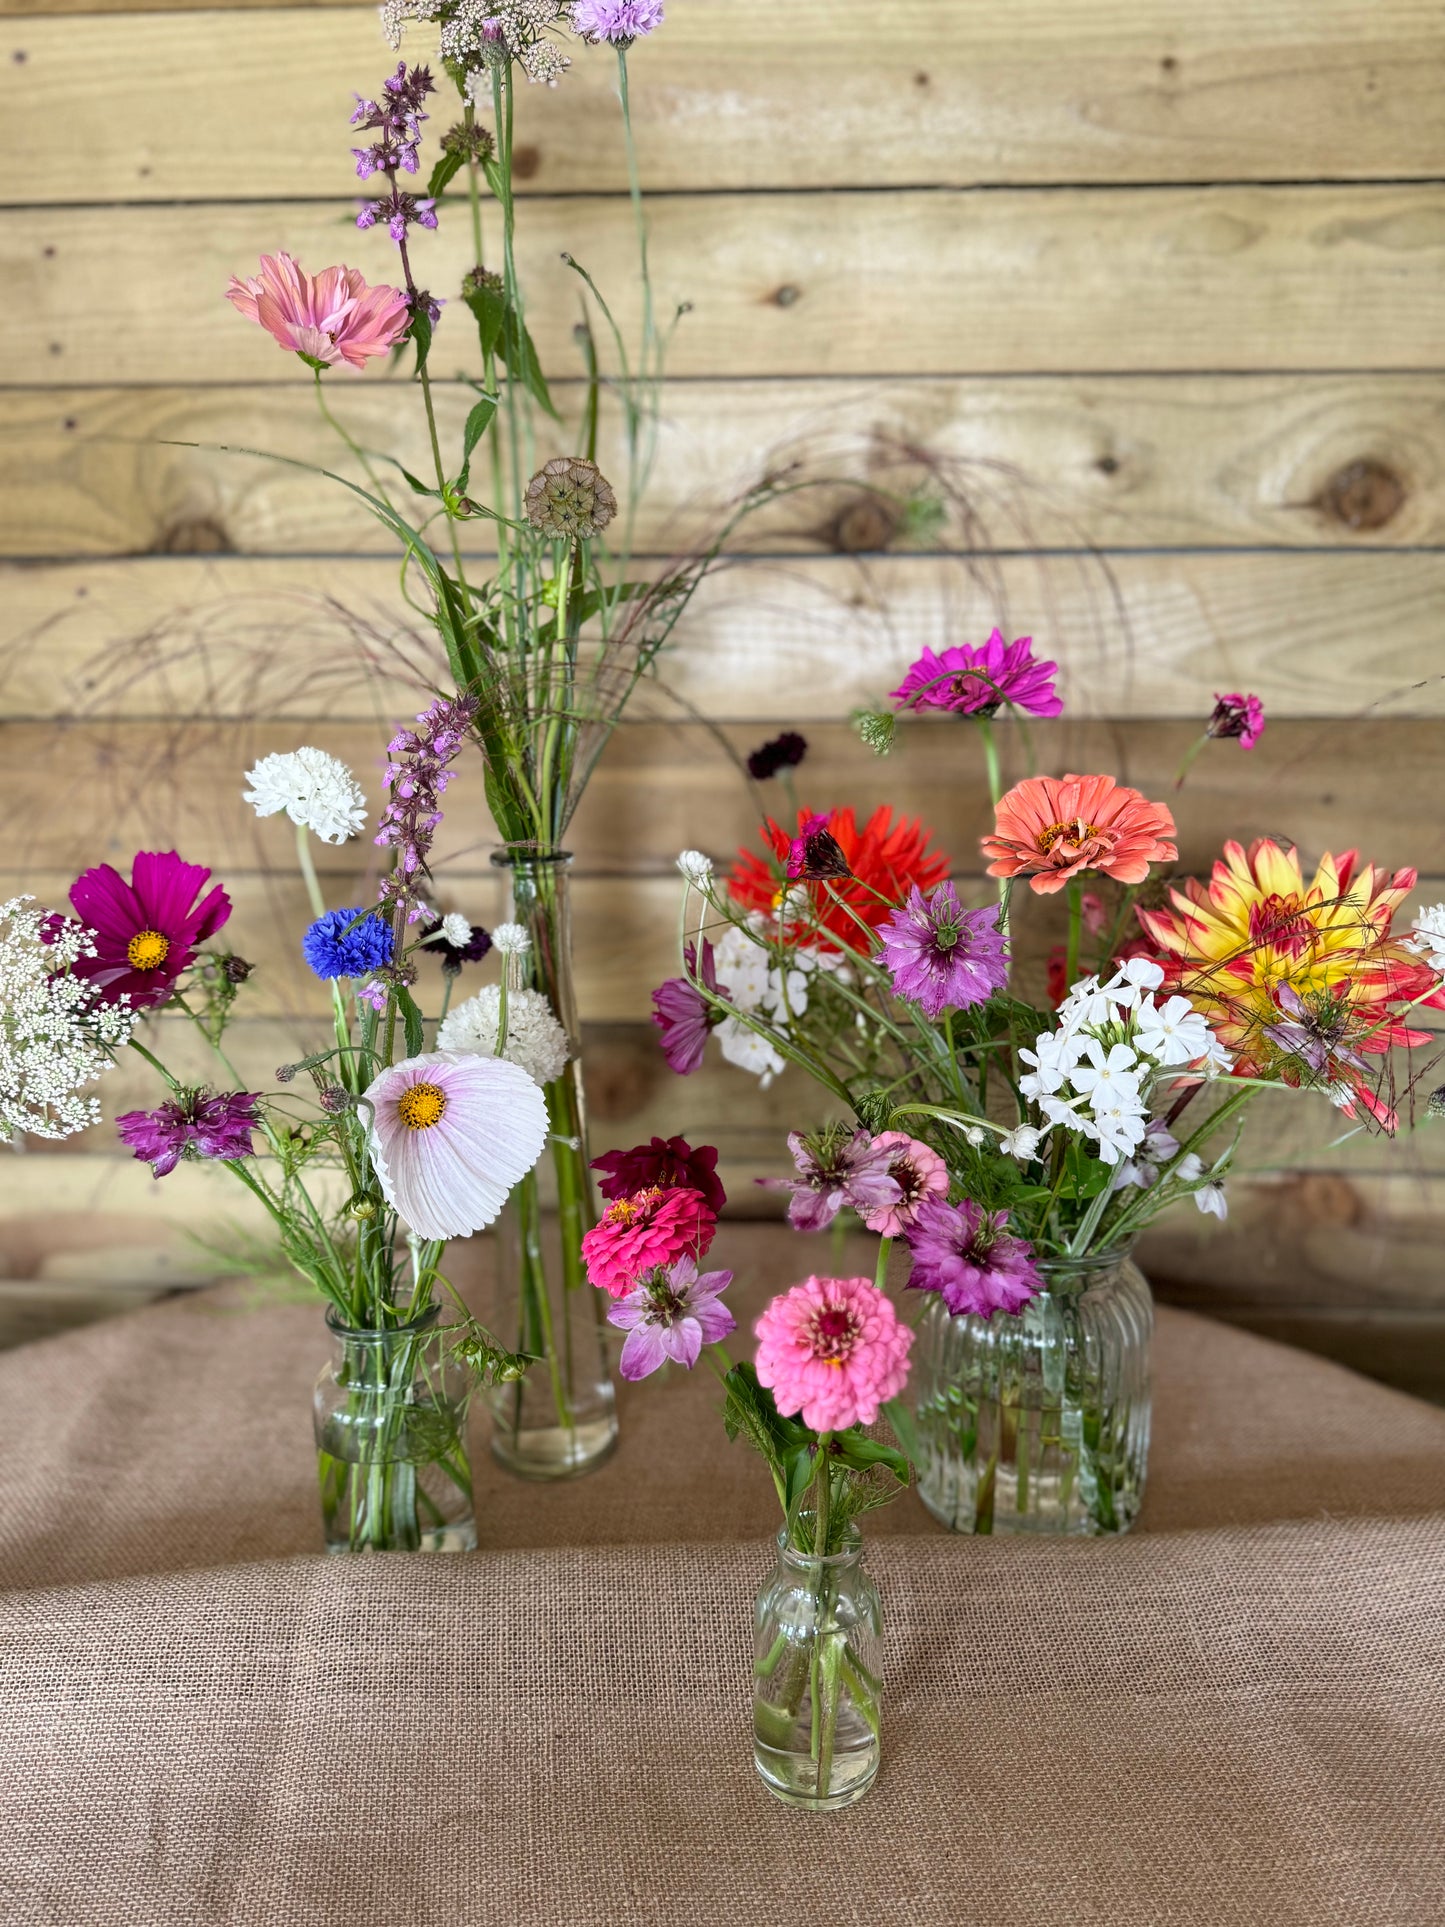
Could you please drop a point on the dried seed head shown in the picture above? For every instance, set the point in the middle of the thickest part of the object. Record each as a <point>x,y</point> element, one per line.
<point>569,497</point>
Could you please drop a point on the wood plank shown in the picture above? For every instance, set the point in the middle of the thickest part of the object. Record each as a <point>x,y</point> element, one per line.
<point>802,641</point>
<point>725,96</point>
<point>1225,278</point>
<point>1044,463</point>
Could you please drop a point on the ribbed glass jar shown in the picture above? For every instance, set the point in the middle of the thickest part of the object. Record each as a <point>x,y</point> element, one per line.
<point>1039,1422</point>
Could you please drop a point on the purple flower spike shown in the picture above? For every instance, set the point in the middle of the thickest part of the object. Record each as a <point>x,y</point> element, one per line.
<point>965,1254</point>
<point>836,1167</point>
<point>971,681</point>
<point>418,776</point>
<point>671,1315</point>
<point>942,956</point>
<point>197,1124</point>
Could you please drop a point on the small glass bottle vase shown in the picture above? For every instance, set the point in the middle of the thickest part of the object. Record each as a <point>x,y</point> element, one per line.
<point>818,1677</point>
<point>561,1419</point>
<point>391,1443</point>
<point>1039,1422</point>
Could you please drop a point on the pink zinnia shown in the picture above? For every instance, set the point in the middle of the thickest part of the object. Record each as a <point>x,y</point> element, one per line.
<point>832,1349</point>
<point>918,1172</point>
<point>331,317</point>
<point>976,681</point>
<point>646,1233</point>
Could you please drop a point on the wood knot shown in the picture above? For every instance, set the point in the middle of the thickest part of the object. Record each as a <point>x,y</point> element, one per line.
<point>785,296</point>
<point>197,536</point>
<point>525,162</point>
<point>1362,495</point>
<point>1107,464</point>
<point>862,527</point>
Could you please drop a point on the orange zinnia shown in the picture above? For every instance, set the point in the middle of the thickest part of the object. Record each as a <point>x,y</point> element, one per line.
<point>885,860</point>
<point>1051,828</point>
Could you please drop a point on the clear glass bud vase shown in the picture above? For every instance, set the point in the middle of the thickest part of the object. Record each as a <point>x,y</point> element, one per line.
<point>561,1419</point>
<point>390,1412</point>
<point>1039,1422</point>
<point>818,1676</point>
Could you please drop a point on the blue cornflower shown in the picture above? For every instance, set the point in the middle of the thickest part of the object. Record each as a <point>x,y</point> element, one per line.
<point>338,945</point>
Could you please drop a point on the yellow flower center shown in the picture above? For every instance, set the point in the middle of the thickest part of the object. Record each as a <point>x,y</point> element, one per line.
<point>148,950</point>
<point>1078,832</point>
<point>421,1105</point>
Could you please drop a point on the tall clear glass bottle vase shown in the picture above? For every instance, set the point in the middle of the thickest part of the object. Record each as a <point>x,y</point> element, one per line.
<point>561,1419</point>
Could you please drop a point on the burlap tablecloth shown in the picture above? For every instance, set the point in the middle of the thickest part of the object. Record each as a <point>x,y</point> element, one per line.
<point>1235,1716</point>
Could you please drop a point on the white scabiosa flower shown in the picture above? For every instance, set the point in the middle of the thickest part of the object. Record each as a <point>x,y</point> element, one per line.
<point>56,1033</point>
<point>315,790</point>
<point>1428,936</point>
<point>535,1039</point>
<point>697,868</point>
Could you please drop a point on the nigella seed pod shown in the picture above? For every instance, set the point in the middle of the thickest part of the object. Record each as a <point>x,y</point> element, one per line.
<point>570,498</point>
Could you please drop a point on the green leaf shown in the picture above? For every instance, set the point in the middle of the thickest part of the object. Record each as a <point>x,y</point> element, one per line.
<point>496,179</point>
<point>862,1453</point>
<point>517,348</point>
<point>477,424</point>
<point>445,171</point>
<point>411,1017</point>
<point>489,309</point>
<point>798,1467</point>
<point>421,335</point>
<point>904,1430</point>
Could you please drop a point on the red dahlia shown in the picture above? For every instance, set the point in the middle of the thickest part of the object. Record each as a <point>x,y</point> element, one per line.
<point>886,859</point>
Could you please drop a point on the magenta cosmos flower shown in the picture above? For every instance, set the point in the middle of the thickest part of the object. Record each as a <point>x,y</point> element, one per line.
<point>671,1315</point>
<point>1237,716</point>
<point>196,1124</point>
<point>833,1350</point>
<point>449,1136</point>
<point>918,1172</point>
<point>147,930</point>
<point>965,1254</point>
<point>330,317</point>
<point>943,957</point>
<point>646,1233</point>
<point>668,1162</point>
<point>683,1014</point>
<point>836,1167</point>
<point>971,681</point>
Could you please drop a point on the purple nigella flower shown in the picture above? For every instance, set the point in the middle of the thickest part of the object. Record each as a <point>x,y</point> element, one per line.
<point>1314,1032</point>
<point>965,1254</point>
<point>942,956</point>
<point>683,1014</point>
<point>1237,716</point>
<point>618,21</point>
<point>196,1124</point>
<point>973,681</point>
<point>837,1167</point>
<point>671,1314</point>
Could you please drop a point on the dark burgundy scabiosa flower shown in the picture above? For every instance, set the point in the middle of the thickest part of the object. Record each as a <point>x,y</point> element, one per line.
<point>815,855</point>
<point>147,930</point>
<point>966,1255</point>
<point>195,1124</point>
<point>683,1014</point>
<point>418,775</point>
<point>780,752</point>
<point>942,956</point>
<point>666,1162</point>
<point>456,941</point>
<point>970,681</point>
<point>1237,717</point>
<point>836,1167</point>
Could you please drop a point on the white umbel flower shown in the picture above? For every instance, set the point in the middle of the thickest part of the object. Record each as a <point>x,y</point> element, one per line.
<point>315,790</point>
<point>1428,936</point>
<point>56,1035</point>
<point>511,939</point>
<point>535,1039</point>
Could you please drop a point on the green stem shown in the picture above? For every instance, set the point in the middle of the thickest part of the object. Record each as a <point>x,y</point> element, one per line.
<point>1076,925</point>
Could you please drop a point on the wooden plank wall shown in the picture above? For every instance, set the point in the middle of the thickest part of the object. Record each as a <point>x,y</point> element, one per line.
<point>1164,281</point>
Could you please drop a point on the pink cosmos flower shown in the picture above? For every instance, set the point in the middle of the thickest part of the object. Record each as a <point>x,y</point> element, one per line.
<point>449,1136</point>
<point>146,931</point>
<point>918,1172</point>
<point>834,1350</point>
<point>644,1233</point>
<point>333,316</point>
<point>672,1315</point>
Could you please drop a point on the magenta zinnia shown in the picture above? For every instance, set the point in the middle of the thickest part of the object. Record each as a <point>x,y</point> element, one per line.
<point>330,317</point>
<point>965,1254</point>
<point>147,930</point>
<point>195,1124</point>
<point>832,1349</point>
<point>971,681</point>
<point>640,1234</point>
<point>667,1163</point>
<point>942,956</point>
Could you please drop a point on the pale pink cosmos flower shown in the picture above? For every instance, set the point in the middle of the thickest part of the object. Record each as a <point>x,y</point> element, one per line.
<point>330,317</point>
<point>834,1350</point>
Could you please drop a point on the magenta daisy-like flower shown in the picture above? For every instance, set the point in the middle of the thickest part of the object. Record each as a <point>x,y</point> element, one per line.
<point>965,1254</point>
<point>450,1133</point>
<point>834,1350</point>
<point>646,1232</point>
<point>836,1167</point>
<point>971,681</point>
<point>666,1162</point>
<point>147,930</point>
<point>918,1172</point>
<point>1238,717</point>
<point>942,956</point>
<point>195,1124</point>
<point>671,1315</point>
<point>683,1014</point>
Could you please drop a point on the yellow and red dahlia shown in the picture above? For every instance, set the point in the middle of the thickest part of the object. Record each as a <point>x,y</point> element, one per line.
<point>1261,953</point>
<point>884,859</point>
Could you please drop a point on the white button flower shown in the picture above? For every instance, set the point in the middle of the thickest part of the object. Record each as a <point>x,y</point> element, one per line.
<point>316,790</point>
<point>697,868</point>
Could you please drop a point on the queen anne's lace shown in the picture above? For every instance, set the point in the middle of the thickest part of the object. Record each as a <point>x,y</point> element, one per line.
<point>56,1035</point>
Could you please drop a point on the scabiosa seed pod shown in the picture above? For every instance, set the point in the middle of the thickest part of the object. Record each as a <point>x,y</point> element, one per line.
<point>284,1073</point>
<point>1435,1104</point>
<point>569,497</point>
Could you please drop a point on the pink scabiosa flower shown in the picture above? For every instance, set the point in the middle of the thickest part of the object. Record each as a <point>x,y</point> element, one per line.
<point>672,1314</point>
<point>683,1014</point>
<point>619,22</point>
<point>666,1163</point>
<point>644,1233</point>
<point>918,1172</point>
<point>330,317</point>
<point>834,1350</point>
<point>971,681</point>
<point>1238,717</point>
<point>147,930</point>
<point>836,1167</point>
<point>450,1133</point>
<point>194,1124</point>
<point>942,956</point>
<point>965,1254</point>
